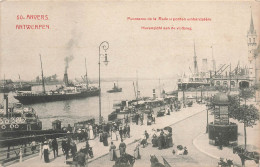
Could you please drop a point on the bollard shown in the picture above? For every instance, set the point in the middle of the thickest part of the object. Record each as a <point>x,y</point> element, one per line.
<point>21,155</point>
<point>40,150</point>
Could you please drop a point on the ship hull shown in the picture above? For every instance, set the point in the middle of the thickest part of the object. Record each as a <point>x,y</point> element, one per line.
<point>7,90</point>
<point>42,98</point>
<point>188,85</point>
<point>115,90</point>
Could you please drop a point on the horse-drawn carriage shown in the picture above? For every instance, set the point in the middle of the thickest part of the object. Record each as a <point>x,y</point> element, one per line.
<point>161,113</point>
<point>171,161</point>
<point>251,153</point>
<point>126,160</point>
<point>225,163</point>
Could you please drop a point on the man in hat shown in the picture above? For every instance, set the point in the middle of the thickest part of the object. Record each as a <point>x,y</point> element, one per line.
<point>128,131</point>
<point>121,133</point>
<point>54,144</point>
<point>73,149</point>
<point>81,158</point>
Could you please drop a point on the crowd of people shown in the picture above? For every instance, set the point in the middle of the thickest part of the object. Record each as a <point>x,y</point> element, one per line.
<point>162,138</point>
<point>116,131</point>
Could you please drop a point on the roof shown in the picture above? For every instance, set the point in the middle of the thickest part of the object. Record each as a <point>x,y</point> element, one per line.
<point>56,121</point>
<point>221,99</point>
<point>251,28</point>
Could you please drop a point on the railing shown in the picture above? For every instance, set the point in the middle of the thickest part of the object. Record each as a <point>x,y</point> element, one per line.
<point>17,153</point>
<point>20,152</point>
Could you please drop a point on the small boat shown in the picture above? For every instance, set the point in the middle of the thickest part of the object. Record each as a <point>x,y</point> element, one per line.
<point>115,89</point>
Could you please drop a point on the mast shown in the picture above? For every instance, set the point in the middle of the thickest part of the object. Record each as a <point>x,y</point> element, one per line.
<point>86,73</point>
<point>43,85</point>
<point>134,89</point>
<point>159,87</point>
<point>137,91</point>
<point>213,61</point>
<point>195,62</point>
<point>230,77</point>
<point>6,100</point>
<point>4,84</point>
<point>20,80</point>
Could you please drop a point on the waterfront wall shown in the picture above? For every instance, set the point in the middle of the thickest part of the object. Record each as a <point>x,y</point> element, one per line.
<point>193,95</point>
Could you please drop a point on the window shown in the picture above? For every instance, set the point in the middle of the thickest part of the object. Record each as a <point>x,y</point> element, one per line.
<point>254,40</point>
<point>217,83</point>
<point>249,40</point>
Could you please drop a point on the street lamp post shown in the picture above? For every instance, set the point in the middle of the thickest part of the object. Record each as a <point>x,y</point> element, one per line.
<point>201,94</point>
<point>104,46</point>
<point>207,127</point>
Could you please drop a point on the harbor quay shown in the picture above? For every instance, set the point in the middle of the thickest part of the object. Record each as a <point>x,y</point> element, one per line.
<point>191,133</point>
<point>136,134</point>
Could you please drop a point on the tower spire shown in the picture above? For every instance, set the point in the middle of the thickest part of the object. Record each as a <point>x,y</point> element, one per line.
<point>251,29</point>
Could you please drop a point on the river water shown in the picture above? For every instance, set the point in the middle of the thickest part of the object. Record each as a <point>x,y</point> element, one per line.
<point>72,111</point>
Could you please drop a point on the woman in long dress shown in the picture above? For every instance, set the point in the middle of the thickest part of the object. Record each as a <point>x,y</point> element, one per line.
<point>137,151</point>
<point>91,133</point>
<point>112,152</point>
<point>100,136</point>
<point>105,136</point>
<point>170,141</point>
<point>114,135</point>
<point>46,150</point>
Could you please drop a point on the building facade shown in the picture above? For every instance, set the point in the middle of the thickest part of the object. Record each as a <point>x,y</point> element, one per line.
<point>252,47</point>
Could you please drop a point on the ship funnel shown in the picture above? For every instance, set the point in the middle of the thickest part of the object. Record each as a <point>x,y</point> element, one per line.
<point>66,79</point>
<point>6,104</point>
<point>154,94</point>
<point>204,69</point>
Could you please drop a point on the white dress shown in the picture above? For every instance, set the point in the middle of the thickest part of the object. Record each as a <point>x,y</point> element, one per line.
<point>114,136</point>
<point>91,134</point>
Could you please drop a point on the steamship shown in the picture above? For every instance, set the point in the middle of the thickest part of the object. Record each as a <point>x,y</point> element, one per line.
<point>196,79</point>
<point>66,92</point>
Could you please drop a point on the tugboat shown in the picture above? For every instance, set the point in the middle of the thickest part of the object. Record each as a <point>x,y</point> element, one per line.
<point>66,92</point>
<point>115,89</point>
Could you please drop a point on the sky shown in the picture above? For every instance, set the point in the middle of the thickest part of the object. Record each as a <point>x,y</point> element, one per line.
<point>78,28</point>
